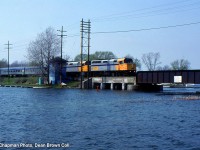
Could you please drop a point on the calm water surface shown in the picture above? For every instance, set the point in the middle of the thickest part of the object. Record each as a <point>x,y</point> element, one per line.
<point>99,120</point>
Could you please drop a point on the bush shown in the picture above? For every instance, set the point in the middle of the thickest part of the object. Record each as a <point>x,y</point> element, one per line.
<point>17,80</point>
<point>24,80</point>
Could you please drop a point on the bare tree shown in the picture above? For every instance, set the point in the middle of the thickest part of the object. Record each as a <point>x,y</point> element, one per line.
<point>45,47</point>
<point>166,67</point>
<point>181,64</point>
<point>67,57</point>
<point>151,60</point>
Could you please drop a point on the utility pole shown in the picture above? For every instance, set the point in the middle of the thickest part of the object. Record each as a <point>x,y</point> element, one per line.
<point>81,52</point>
<point>85,47</point>
<point>8,57</point>
<point>61,45</point>
<point>88,73</point>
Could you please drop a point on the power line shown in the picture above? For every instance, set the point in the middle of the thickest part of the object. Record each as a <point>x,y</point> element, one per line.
<point>73,35</point>
<point>19,46</point>
<point>168,10</point>
<point>147,29</point>
<point>143,29</point>
<point>156,8</point>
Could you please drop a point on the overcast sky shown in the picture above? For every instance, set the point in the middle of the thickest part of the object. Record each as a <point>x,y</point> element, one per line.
<point>22,20</point>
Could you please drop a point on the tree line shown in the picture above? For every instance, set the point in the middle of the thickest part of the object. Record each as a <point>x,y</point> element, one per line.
<point>152,62</point>
<point>47,46</point>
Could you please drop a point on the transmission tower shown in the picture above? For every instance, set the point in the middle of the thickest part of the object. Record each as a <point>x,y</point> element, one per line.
<point>85,47</point>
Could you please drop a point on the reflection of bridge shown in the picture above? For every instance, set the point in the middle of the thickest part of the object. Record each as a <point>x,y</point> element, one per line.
<point>146,80</point>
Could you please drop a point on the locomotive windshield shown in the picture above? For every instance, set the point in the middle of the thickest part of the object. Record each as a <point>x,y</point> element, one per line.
<point>128,60</point>
<point>88,63</point>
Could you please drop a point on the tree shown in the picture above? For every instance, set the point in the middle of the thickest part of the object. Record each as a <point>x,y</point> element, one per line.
<point>18,64</point>
<point>3,63</point>
<point>135,61</point>
<point>151,60</point>
<point>181,64</point>
<point>43,48</point>
<point>67,57</point>
<point>78,57</point>
<point>97,55</point>
<point>103,55</point>
<point>166,67</point>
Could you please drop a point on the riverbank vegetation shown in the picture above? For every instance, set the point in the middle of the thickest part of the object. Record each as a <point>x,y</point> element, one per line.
<point>18,80</point>
<point>33,81</point>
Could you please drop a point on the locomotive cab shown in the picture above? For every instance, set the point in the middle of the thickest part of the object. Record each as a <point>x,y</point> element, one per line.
<point>126,64</point>
<point>85,66</point>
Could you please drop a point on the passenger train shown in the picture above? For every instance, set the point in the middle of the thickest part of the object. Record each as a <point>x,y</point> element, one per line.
<point>122,66</point>
<point>20,71</point>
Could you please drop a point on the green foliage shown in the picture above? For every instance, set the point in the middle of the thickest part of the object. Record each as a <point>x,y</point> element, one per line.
<point>18,80</point>
<point>73,84</point>
<point>103,55</point>
<point>78,57</point>
<point>96,56</point>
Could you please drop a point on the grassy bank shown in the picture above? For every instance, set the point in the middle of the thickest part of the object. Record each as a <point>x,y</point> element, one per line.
<point>33,81</point>
<point>18,80</point>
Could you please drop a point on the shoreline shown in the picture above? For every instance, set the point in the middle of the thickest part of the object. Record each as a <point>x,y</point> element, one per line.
<point>40,86</point>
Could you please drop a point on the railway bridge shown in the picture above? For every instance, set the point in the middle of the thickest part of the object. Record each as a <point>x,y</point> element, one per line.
<point>147,80</point>
<point>153,80</point>
<point>168,76</point>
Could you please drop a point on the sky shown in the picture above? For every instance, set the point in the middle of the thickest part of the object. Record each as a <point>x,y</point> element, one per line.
<point>170,27</point>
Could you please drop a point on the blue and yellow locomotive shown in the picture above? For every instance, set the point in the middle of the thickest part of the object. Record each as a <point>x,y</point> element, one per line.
<point>112,67</point>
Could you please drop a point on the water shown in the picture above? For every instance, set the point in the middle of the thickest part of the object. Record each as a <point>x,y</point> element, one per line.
<point>98,120</point>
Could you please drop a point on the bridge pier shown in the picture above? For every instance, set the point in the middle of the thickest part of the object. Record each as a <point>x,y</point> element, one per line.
<point>111,86</point>
<point>113,83</point>
<point>117,86</point>
<point>124,86</point>
<point>131,87</point>
<point>102,86</point>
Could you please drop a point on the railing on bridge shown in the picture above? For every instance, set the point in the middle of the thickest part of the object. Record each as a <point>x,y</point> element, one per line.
<point>168,76</point>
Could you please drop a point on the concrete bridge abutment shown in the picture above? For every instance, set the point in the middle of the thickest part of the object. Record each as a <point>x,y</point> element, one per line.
<point>113,83</point>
